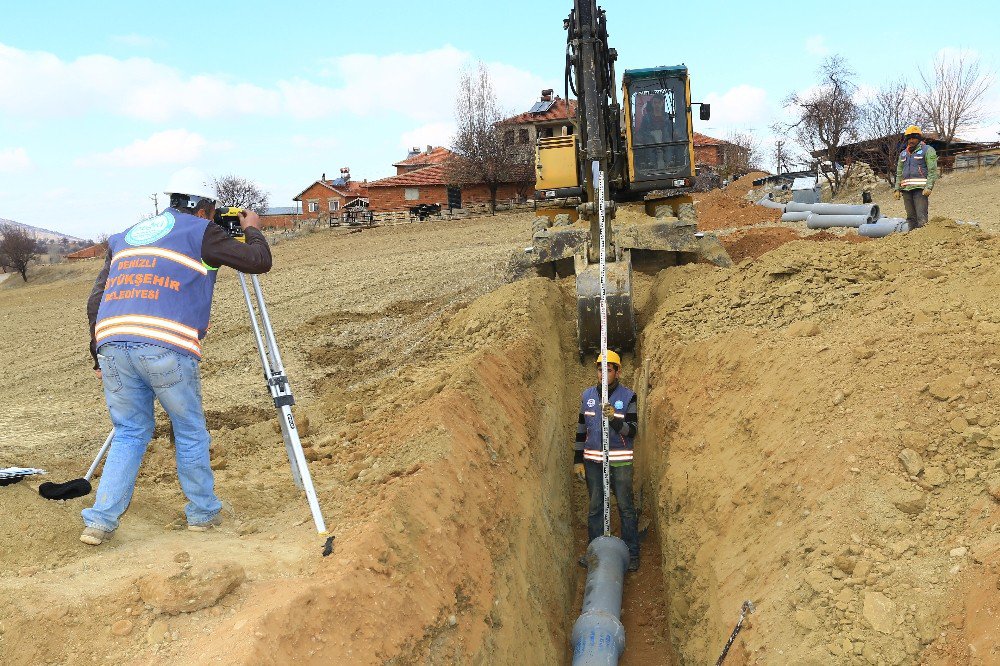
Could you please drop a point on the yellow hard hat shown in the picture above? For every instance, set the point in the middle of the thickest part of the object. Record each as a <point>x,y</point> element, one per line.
<point>913,129</point>
<point>612,358</point>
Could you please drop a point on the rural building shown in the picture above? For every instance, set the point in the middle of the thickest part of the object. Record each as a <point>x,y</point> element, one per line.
<point>422,179</point>
<point>92,252</point>
<point>549,116</point>
<point>325,197</point>
<point>712,152</point>
<point>283,217</point>
<point>881,153</point>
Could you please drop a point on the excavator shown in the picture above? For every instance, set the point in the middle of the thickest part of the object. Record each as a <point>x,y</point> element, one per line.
<point>642,153</point>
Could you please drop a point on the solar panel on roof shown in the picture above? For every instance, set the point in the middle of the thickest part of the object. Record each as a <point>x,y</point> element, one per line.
<point>541,107</point>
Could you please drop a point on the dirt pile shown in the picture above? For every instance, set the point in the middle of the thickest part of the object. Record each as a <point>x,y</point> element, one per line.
<point>728,207</point>
<point>421,409</point>
<point>831,450</point>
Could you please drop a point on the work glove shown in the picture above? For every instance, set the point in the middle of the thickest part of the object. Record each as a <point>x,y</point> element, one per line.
<point>580,472</point>
<point>608,410</point>
<point>926,193</point>
<point>897,195</point>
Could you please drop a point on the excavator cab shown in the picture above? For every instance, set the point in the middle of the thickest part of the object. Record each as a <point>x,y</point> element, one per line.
<point>657,104</point>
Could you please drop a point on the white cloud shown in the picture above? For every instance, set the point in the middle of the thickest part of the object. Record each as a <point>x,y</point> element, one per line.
<point>14,159</point>
<point>431,134</point>
<point>420,86</point>
<point>744,106</point>
<point>816,45</point>
<point>177,146</point>
<point>47,86</point>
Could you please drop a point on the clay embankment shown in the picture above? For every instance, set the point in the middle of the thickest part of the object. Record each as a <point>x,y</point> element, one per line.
<point>827,446</point>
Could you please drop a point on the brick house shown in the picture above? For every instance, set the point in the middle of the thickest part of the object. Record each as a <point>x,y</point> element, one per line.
<point>712,152</point>
<point>422,178</point>
<point>325,197</point>
<point>547,117</point>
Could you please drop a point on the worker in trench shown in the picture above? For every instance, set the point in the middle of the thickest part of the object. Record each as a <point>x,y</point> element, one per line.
<point>916,173</point>
<point>622,413</point>
<point>149,310</point>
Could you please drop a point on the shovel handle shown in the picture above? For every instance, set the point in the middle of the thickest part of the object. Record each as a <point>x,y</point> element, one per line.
<point>100,455</point>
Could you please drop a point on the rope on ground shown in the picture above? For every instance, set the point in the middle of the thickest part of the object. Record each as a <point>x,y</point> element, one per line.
<point>744,610</point>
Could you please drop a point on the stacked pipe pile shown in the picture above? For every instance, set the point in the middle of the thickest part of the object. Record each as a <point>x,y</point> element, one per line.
<point>866,218</point>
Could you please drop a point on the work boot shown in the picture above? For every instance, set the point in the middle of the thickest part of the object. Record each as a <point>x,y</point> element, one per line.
<point>633,563</point>
<point>95,536</point>
<point>214,521</point>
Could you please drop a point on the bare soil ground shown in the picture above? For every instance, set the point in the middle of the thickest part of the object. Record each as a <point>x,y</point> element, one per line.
<point>819,436</point>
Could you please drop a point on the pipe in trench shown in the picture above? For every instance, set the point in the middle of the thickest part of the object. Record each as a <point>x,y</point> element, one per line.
<point>598,634</point>
<point>815,221</point>
<point>797,216</point>
<point>871,210</point>
<point>883,227</point>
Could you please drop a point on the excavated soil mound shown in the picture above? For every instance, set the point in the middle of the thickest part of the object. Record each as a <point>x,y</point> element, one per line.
<point>831,451</point>
<point>728,207</point>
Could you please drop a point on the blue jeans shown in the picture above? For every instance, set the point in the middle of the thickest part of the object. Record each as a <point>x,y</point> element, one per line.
<point>133,374</point>
<point>621,486</point>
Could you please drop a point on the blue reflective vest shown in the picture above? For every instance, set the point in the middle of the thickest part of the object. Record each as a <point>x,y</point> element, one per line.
<point>915,168</point>
<point>619,446</point>
<point>158,291</point>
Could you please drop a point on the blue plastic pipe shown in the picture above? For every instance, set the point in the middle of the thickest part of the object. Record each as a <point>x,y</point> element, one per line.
<point>598,634</point>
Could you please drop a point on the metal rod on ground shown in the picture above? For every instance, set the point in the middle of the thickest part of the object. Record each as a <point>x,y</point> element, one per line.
<point>747,607</point>
<point>281,393</point>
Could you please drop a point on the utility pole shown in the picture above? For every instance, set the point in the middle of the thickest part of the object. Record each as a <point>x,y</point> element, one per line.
<point>156,202</point>
<point>779,158</point>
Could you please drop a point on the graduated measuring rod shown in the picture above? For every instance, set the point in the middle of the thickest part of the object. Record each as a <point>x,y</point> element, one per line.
<point>602,258</point>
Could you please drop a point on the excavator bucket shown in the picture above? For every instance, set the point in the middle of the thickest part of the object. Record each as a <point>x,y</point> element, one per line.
<point>621,316</point>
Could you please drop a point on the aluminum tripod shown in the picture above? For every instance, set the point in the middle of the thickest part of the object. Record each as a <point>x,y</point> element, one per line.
<point>281,393</point>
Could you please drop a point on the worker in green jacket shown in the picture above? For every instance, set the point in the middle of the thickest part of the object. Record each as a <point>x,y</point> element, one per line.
<point>916,173</point>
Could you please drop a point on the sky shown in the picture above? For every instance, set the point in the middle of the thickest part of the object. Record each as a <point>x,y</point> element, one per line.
<point>102,103</point>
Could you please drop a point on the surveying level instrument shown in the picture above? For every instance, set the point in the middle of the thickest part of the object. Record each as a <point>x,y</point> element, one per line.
<point>277,380</point>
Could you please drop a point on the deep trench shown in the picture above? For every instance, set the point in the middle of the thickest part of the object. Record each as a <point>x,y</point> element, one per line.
<point>645,602</point>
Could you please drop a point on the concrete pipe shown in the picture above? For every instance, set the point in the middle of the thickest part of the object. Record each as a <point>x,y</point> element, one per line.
<point>795,217</point>
<point>767,202</point>
<point>883,227</point>
<point>835,209</point>
<point>598,634</point>
<point>816,221</point>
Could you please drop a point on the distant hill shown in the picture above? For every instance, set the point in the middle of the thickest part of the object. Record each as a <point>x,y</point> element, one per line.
<point>43,234</point>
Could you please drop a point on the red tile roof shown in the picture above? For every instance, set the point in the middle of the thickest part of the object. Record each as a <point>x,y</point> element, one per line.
<point>556,112</point>
<point>351,189</point>
<point>436,174</point>
<point>436,156</point>
<point>704,140</point>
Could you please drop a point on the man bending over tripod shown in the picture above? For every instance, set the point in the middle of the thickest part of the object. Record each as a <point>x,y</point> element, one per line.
<point>149,311</point>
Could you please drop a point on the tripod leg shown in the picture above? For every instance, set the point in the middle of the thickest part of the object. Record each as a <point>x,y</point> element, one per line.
<point>294,446</point>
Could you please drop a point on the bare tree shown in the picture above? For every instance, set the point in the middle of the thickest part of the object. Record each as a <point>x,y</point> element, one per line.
<point>826,117</point>
<point>233,190</point>
<point>18,248</point>
<point>486,149</point>
<point>891,108</point>
<point>952,98</point>
<point>741,154</point>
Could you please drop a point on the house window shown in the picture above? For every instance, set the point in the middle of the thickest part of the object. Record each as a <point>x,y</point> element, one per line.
<point>334,205</point>
<point>411,193</point>
<point>522,136</point>
<point>545,132</point>
<point>313,206</point>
